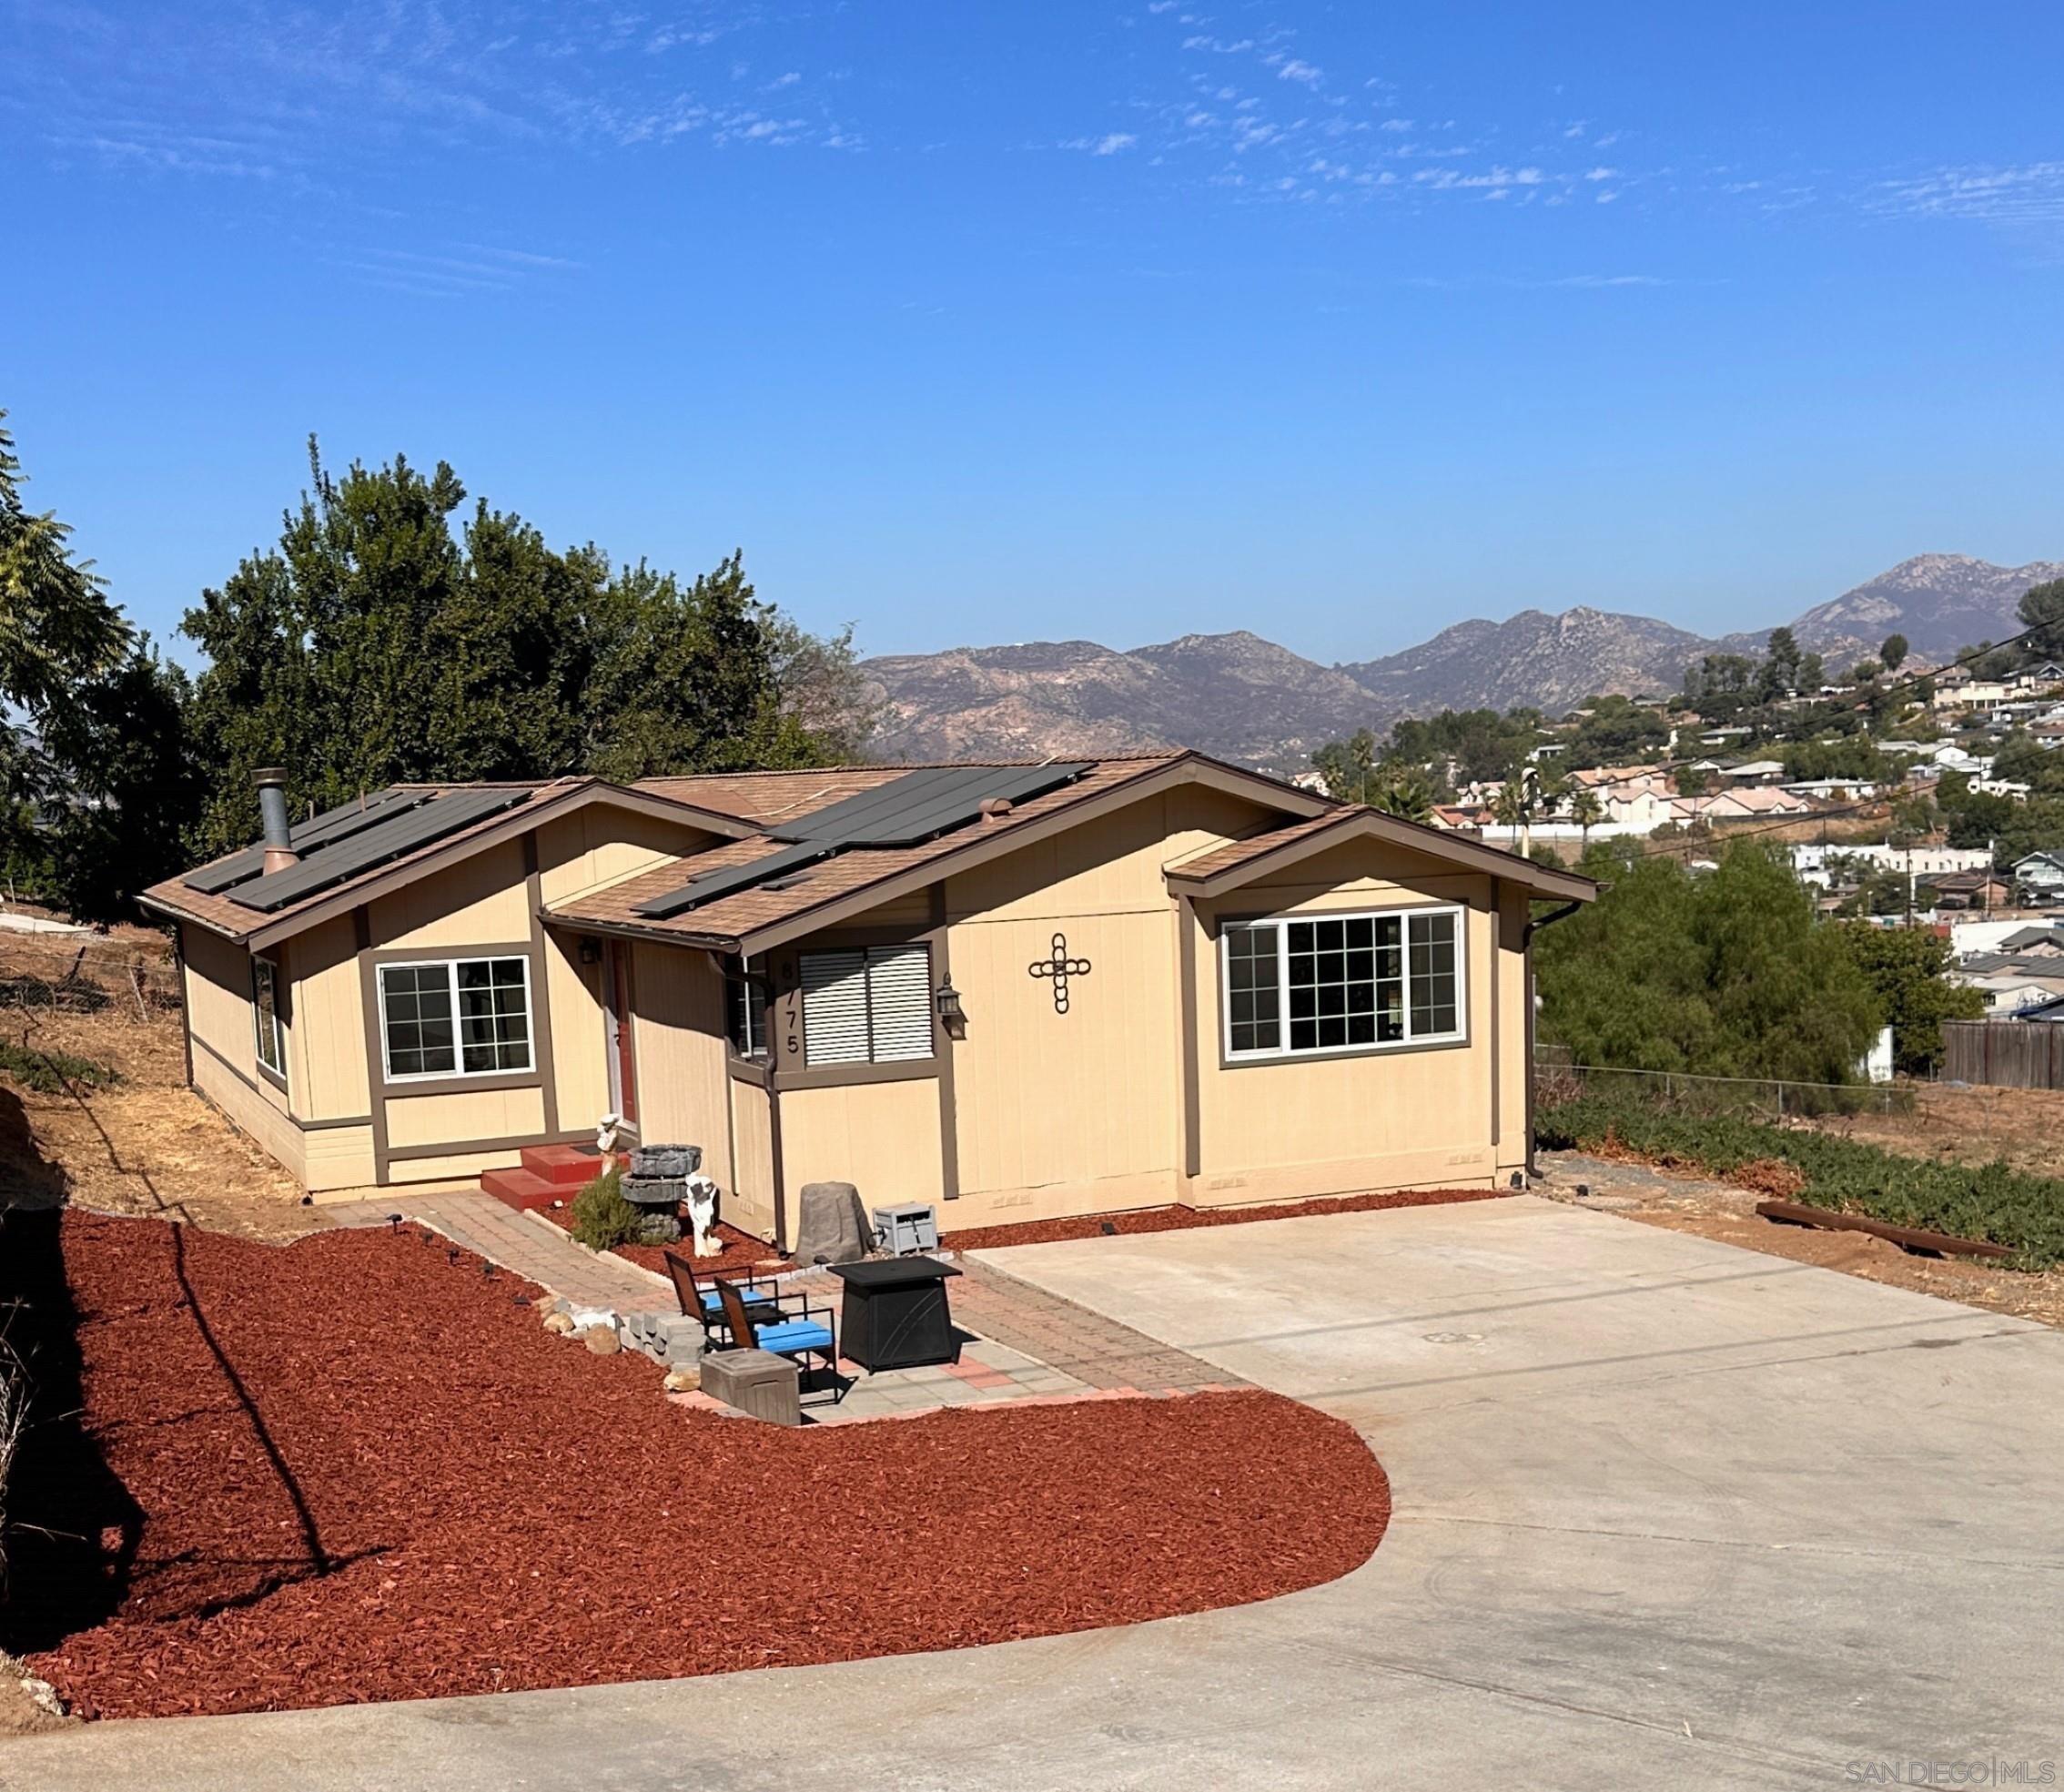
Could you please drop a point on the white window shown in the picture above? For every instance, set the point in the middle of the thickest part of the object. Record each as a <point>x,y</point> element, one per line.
<point>745,1010</point>
<point>265,1016</point>
<point>455,1017</point>
<point>1295,988</point>
<point>867,1005</point>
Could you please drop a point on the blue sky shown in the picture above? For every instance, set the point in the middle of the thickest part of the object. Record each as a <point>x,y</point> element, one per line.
<point>993,322</point>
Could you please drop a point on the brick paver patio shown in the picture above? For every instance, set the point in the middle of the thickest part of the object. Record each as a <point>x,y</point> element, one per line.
<point>1019,1343</point>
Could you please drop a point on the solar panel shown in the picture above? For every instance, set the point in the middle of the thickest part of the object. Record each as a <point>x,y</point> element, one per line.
<point>919,806</point>
<point>403,832</point>
<point>331,825</point>
<point>712,885</point>
<point>922,804</point>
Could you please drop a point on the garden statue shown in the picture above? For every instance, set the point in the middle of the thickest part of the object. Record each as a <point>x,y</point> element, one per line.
<point>605,1132</point>
<point>702,1199</point>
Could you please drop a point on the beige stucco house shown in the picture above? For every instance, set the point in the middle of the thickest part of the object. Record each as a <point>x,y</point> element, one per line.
<point>1017,991</point>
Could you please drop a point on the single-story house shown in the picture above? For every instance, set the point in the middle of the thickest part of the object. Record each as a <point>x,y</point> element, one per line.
<point>2042,875</point>
<point>1025,990</point>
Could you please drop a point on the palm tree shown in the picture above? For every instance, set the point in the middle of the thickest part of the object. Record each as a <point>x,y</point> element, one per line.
<point>1587,812</point>
<point>1405,795</point>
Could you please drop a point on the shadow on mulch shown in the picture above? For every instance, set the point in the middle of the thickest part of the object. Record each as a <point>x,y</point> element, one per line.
<point>70,1529</point>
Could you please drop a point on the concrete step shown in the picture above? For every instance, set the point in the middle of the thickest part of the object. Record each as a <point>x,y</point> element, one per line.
<point>523,1190</point>
<point>563,1166</point>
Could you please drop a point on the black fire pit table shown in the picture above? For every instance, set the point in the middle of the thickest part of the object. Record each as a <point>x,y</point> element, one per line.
<point>895,1314</point>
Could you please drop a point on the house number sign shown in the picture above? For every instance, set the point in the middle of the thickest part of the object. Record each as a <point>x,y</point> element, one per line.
<point>1058,967</point>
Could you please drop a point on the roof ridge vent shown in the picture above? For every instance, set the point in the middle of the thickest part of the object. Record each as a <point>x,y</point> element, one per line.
<point>995,808</point>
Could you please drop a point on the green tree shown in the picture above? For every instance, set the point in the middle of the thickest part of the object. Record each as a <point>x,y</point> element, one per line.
<point>1893,654</point>
<point>1403,793</point>
<point>1907,969</point>
<point>383,642</point>
<point>1724,974</point>
<point>1587,812</point>
<point>99,783</point>
<point>2041,608</point>
<point>1348,767</point>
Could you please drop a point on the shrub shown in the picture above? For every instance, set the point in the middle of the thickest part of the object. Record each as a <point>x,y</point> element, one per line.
<point>50,1073</point>
<point>2008,1207</point>
<point>602,1218</point>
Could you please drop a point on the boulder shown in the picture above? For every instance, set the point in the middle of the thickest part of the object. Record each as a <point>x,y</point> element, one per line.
<point>683,1378</point>
<point>833,1228</point>
<point>558,1323</point>
<point>602,1339</point>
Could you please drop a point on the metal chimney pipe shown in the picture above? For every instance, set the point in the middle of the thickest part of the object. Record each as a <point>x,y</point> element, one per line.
<point>279,852</point>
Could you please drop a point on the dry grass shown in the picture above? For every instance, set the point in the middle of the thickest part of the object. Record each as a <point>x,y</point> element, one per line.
<point>2023,1127</point>
<point>145,1145</point>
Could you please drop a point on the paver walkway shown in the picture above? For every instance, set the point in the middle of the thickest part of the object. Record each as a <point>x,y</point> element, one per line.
<point>1026,1344</point>
<point>522,1244</point>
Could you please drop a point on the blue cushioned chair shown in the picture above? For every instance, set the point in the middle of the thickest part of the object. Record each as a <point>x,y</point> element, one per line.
<point>798,1335</point>
<point>705,1300</point>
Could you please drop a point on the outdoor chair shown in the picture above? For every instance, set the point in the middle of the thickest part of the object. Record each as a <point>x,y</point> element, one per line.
<point>798,1337</point>
<point>705,1300</point>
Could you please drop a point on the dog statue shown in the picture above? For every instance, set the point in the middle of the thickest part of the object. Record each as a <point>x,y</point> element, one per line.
<point>701,1203</point>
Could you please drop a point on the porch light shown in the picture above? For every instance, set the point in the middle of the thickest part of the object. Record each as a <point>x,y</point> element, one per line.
<point>952,1016</point>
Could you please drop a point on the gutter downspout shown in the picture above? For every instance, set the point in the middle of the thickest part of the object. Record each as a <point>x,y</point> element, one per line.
<point>1533,925</point>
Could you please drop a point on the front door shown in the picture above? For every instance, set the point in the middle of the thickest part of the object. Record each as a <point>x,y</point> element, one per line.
<point>616,1005</point>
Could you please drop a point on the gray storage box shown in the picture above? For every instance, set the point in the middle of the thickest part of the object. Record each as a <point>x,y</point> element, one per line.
<point>904,1230</point>
<point>756,1383</point>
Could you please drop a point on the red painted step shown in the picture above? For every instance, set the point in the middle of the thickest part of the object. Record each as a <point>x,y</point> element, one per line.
<point>563,1166</point>
<point>523,1190</point>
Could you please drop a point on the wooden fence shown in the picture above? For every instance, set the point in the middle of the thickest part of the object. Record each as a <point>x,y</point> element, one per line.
<point>2008,1054</point>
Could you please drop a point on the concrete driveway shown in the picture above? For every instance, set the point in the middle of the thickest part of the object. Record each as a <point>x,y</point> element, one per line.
<point>1668,1513</point>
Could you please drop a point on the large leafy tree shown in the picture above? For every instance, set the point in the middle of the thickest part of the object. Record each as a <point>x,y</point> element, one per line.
<point>99,783</point>
<point>385,641</point>
<point>1726,973</point>
<point>1908,968</point>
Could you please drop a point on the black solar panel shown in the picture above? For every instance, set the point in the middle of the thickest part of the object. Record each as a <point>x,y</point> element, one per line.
<point>331,825</point>
<point>712,885</point>
<point>922,804</point>
<point>919,806</point>
<point>402,832</point>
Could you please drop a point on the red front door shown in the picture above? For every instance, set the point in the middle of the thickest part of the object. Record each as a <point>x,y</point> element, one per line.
<point>622,1065</point>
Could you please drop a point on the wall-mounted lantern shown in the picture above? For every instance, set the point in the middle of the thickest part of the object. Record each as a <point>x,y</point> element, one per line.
<point>952,1016</point>
<point>590,949</point>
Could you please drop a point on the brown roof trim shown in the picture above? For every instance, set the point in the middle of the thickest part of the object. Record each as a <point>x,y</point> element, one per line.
<point>547,804</point>
<point>1154,776</point>
<point>1373,824</point>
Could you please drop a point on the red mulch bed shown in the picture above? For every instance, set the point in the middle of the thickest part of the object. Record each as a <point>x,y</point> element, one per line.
<point>365,1471</point>
<point>742,1252</point>
<point>1178,1219</point>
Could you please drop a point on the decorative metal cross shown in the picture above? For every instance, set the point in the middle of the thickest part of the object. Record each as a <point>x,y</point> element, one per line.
<point>1061,967</point>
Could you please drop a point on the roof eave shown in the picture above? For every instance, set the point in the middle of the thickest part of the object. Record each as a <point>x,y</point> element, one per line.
<point>1438,843</point>
<point>1188,768</point>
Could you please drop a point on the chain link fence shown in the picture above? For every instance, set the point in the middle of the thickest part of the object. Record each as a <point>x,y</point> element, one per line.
<point>1558,1078</point>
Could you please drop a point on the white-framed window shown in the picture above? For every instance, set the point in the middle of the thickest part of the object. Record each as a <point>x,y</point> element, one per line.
<point>455,1017</point>
<point>266,1026</point>
<point>745,1014</point>
<point>1303,985</point>
<point>867,1005</point>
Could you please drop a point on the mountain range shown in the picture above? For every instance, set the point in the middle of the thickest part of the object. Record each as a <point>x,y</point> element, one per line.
<point>1243,698</point>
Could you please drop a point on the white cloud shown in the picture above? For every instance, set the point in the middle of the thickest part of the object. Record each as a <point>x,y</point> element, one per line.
<point>1111,144</point>
<point>1600,174</point>
<point>1291,69</point>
